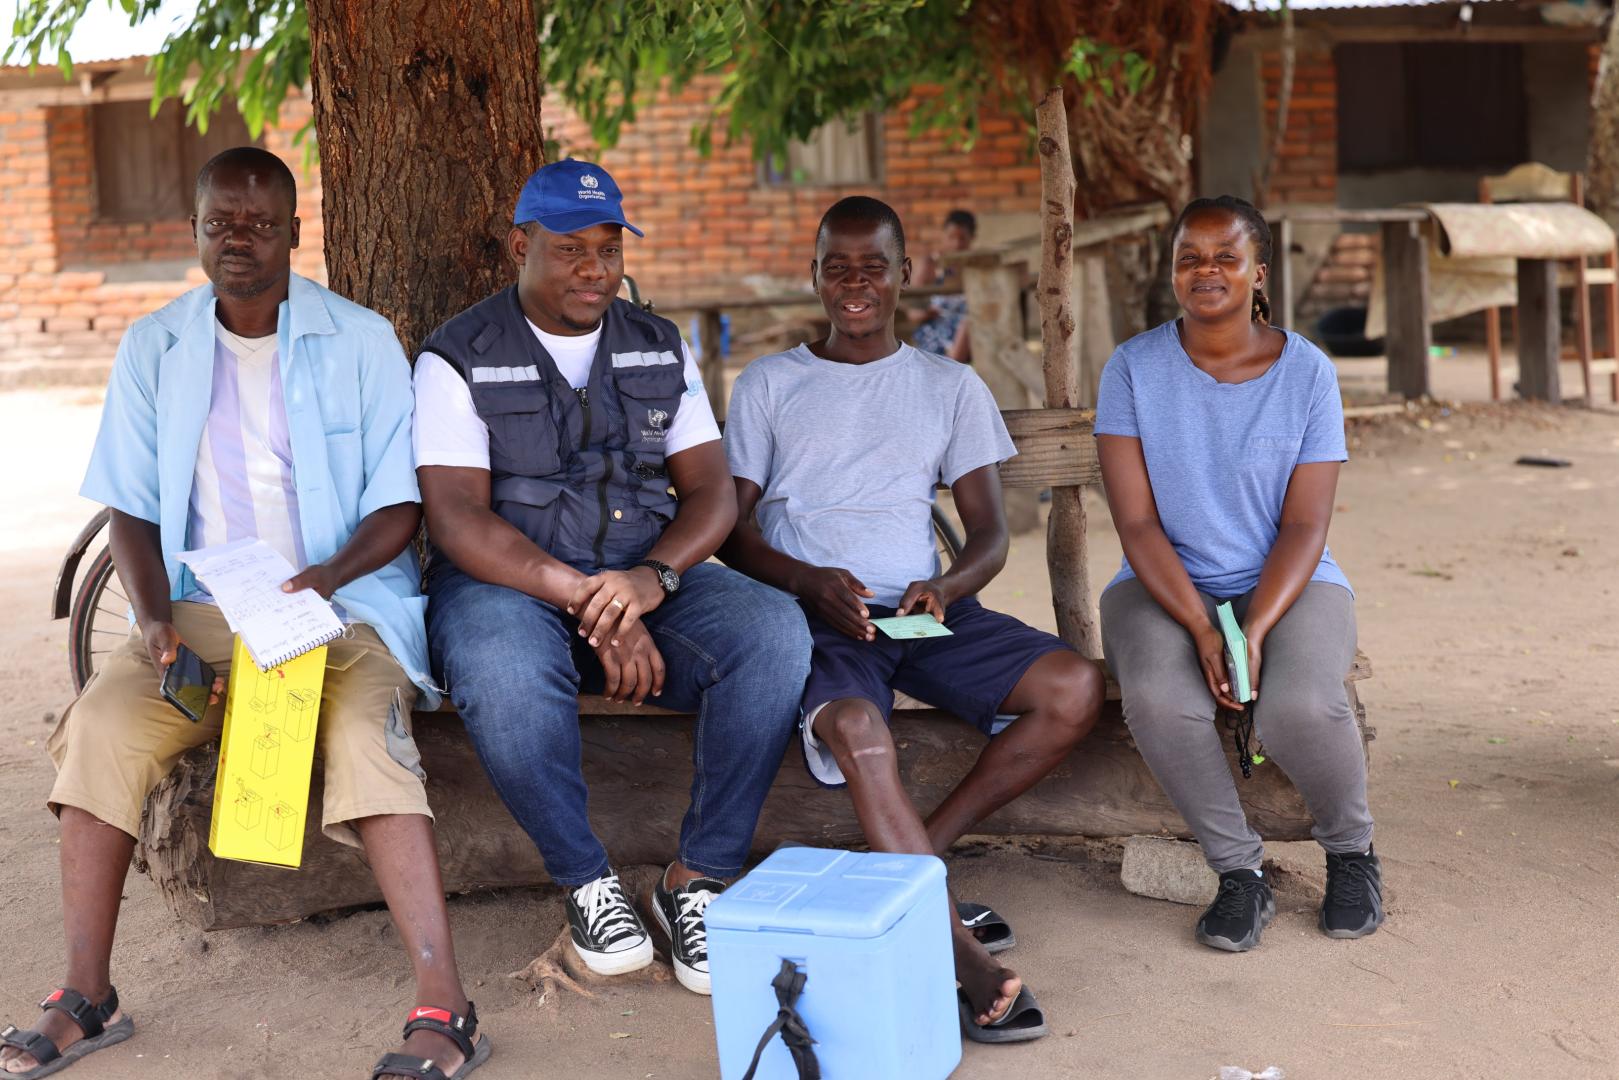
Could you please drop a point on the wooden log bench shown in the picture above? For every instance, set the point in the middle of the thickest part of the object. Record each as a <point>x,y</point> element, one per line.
<point>637,763</point>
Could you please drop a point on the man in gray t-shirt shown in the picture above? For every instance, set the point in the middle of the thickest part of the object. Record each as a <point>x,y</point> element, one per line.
<point>837,448</point>
<point>848,456</point>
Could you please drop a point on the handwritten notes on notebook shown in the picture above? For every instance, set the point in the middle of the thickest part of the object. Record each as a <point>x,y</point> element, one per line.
<point>245,578</point>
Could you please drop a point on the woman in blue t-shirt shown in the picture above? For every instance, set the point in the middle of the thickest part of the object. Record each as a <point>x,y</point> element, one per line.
<point>1220,439</point>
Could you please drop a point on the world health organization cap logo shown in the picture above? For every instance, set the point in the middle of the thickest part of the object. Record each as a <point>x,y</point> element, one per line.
<point>589,181</point>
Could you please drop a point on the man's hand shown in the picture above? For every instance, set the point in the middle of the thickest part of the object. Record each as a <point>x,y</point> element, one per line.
<point>833,595</point>
<point>1211,655</point>
<point>928,596</point>
<point>632,665</point>
<point>609,603</point>
<point>162,644</point>
<point>319,577</point>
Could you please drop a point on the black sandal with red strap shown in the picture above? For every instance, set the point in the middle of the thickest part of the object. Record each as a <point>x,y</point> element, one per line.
<point>459,1029</point>
<point>92,1020</point>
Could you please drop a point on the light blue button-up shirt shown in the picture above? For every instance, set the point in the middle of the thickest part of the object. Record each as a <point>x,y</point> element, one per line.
<point>348,396</point>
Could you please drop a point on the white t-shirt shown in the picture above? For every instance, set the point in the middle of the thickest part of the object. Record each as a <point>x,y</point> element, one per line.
<point>243,486</point>
<point>448,430</point>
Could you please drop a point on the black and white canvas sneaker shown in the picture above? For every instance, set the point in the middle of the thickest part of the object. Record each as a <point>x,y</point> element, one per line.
<point>679,913</point>
<point>607,933</point>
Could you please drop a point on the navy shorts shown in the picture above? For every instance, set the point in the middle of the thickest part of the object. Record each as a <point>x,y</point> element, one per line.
<point>968,673</point>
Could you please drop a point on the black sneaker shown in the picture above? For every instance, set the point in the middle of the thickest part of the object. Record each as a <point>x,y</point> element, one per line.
<point>607,933</point>
<point>1239,914</point>
<point>680,914</point>
<point>1353,906</point>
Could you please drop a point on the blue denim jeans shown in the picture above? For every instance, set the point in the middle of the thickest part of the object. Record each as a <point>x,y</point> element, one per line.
<point>735,651</point>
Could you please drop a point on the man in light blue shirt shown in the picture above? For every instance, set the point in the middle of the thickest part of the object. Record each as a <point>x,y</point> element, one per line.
<point>258,406</point>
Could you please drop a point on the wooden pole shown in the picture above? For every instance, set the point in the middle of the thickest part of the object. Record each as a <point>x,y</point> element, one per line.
<point>1280,286</point>
<point>1405,281</point>
<point>712,362</point>
<point>1539,337</point>
<point>1066,557</point>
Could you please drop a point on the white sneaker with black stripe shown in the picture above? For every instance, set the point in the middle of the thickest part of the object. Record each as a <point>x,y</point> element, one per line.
<point>679,912</point>
<point>607,933</point>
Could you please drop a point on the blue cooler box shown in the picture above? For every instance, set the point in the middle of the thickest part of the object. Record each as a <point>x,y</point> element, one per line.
<point>869,931</point>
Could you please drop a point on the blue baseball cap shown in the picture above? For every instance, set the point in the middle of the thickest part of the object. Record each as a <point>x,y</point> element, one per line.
<point>568,195</point>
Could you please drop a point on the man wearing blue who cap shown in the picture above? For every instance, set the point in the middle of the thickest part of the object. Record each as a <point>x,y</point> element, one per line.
<point>574,485</point>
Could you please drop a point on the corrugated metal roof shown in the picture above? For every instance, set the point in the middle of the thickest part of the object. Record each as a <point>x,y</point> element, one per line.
<point>1323,5</point>
<point>103,31</point>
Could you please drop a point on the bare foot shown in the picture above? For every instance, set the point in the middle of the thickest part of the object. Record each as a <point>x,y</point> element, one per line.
<point>55,1026</point>
<point>990,988</point>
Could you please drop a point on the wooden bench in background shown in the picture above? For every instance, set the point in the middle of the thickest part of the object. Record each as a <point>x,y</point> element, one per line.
<point>638,765</point>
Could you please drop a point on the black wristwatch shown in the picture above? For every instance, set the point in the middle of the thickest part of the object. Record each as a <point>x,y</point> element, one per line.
<point>668,580</point>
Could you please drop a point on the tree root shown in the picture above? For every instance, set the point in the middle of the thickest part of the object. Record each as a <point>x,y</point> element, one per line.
<point>559,966</point>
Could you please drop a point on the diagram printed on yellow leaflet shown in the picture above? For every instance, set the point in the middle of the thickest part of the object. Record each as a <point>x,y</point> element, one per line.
<point>296,711</point>
<point>249,806</point>
<point>266,753</point>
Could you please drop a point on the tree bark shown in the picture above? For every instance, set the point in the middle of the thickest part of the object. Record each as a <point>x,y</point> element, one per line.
<point>427,116</point>
<point>1602,165</point>
<point>1067,560</point>
<point>639,771</point>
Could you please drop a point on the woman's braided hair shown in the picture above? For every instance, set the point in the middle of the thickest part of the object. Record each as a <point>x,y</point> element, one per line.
<point>1258,228</point>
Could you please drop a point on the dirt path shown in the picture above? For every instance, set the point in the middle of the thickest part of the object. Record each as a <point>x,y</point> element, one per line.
<point>1488,596</point>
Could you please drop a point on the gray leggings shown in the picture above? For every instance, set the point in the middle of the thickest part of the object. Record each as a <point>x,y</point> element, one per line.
<point>1302,717</point>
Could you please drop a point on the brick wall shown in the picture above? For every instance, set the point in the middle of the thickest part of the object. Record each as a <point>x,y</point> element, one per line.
<point>60,317</point>
<point>310,257</point>
<point>1306,169</point>
<point>711,223</point>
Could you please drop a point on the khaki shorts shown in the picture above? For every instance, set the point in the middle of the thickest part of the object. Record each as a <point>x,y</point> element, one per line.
<point>121,737</point>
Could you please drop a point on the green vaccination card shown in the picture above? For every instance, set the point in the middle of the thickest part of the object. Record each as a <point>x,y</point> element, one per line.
<point>910,627</point>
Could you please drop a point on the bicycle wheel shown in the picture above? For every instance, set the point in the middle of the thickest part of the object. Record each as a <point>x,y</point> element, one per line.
<point>99,621</point>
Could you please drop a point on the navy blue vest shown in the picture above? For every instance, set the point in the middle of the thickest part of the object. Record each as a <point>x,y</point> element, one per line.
<point>581,473</point>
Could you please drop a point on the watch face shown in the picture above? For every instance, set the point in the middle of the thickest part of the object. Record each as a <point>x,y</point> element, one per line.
<point>669,580</point>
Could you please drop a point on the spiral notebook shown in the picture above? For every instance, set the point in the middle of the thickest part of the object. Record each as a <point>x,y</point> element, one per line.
<point>245,578</point>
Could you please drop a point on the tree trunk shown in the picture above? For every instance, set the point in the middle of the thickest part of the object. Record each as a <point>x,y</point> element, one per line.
<point>1067,558</point>
<point>639,771</point>
<point>1602,165</point>
<point>428,120</point>
<point>1284,98</point>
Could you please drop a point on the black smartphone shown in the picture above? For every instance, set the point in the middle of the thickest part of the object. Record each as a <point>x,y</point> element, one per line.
<point>188,684</point>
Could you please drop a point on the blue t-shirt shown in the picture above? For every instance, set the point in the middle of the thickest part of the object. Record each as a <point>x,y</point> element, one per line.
<point>1220,455</point>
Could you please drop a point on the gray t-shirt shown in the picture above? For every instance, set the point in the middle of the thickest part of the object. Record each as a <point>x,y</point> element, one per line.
<point>849,456</point>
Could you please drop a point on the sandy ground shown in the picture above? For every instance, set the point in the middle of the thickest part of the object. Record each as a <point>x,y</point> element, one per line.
<point>1486,602</point>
